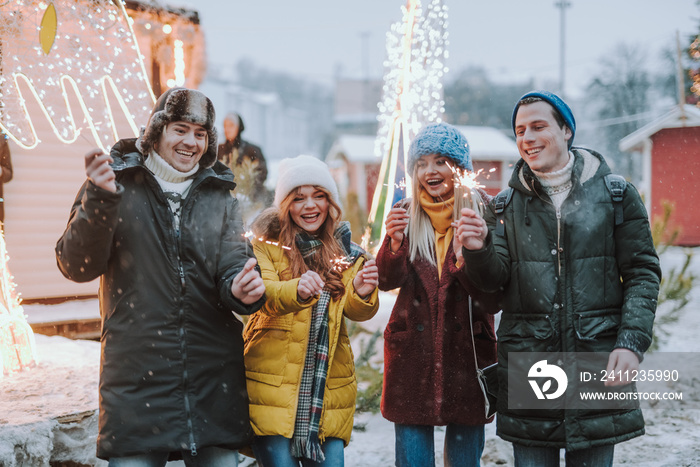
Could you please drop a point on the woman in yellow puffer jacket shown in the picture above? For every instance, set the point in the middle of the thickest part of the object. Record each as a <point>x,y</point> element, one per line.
<point>299,364</point>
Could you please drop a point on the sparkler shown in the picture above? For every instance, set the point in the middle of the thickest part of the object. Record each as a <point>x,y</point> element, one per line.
<point>365,242</point>
<point>340,263</point>
<point>464,192</point>
<point>251,236</point>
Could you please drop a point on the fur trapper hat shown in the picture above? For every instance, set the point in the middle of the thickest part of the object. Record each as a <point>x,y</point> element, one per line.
<point>441,139</point>
<point>181,105</point>
<point>559,105</point>
<point>304,170</point>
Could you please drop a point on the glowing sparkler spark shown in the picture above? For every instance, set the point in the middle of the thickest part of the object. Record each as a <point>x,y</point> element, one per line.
<point>364,243</point>
<point>464,191</point>
<point>340,263</point>
<point>251,236</point>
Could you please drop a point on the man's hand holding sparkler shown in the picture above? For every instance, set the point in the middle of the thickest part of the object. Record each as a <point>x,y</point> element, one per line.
<point>471,230</point>
<point>248,286</point>
<point>99,171</point>
<point>367,279</point>
<point>396,222</point>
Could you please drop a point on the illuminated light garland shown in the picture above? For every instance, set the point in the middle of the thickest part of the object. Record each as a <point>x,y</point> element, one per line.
<point>17,345</point>
<point>179,54</point>
<point>93,42</point>
<point>412,97</point>
<point>694,71</point>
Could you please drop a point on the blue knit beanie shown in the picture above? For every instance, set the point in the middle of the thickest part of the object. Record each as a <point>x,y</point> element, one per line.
<point>441,139</point>
<point>558,104</point>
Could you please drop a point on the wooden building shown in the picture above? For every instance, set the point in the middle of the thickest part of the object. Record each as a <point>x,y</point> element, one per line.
<point>669,151</point>
<point>90,78</point>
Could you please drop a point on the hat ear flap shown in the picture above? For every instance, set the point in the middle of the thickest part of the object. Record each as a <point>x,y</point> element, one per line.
<point>210,155</point>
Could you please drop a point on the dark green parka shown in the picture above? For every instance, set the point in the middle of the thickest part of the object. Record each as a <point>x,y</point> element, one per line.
<point>574,284</point>
<point>171,376</point>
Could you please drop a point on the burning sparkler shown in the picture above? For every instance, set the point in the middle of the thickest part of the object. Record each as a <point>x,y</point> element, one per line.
<point>465,192</point>
<point>251,236</point>
<point>340,263</point>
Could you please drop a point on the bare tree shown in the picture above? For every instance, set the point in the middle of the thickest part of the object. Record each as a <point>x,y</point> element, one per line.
<point>619,95</point>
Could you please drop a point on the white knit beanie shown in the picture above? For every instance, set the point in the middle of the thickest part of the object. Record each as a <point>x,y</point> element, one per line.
<point>304,170</point>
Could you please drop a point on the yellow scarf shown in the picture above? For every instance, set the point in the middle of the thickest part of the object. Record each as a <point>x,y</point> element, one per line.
<point>440,214</point>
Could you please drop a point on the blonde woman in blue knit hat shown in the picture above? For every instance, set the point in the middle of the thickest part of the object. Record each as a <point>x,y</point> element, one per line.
<point>430,375</point>
<point>299,364</point>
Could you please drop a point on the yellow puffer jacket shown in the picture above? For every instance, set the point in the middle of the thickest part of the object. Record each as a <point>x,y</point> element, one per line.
<point>276,338</point>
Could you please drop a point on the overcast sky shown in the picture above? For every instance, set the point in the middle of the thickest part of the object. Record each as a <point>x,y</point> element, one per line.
<point>512,39</point>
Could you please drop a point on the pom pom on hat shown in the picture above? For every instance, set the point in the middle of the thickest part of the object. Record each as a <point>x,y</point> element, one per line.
<point>558,104</point>
<point>441,139</point>
<point>181,105</point>
<point>304,170</point>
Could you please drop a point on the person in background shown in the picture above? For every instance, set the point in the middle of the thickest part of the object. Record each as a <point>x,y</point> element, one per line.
<point>236,151</point>
<point>575,278</point>
<point>430,377</point>
<point>299,364</point>
<point>156,222</point>
<point>5,174</point>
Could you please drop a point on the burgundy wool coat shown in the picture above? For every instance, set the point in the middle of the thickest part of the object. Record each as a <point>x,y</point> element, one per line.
<point>429,373</point>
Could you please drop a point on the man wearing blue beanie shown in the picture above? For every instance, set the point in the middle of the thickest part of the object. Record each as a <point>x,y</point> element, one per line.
<point>569,245</point>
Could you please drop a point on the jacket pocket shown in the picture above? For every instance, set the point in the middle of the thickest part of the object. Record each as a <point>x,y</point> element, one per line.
<point>524,332</point>
<point>596,331</point>
<point>272,380</point>
<point>266,349</point>
<point>335,383</point>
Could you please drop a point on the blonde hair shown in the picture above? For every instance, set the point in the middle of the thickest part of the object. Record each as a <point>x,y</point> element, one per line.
<point>421,233</point>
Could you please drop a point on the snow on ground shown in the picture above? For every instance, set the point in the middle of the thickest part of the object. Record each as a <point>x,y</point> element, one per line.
<point>672,434</point>
<point>65,381</point>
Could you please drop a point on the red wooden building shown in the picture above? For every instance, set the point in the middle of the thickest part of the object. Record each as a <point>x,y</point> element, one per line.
<point>669,151</point>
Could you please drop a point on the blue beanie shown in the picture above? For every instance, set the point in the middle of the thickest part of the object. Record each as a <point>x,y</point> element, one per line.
<point>441,139</point>
<point>558,104</point>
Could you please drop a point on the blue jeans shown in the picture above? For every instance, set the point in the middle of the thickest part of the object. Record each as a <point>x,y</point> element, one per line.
<point>276,451</point>
<point>526,456</point>
<point>206,457</point>
<point>415,445</point>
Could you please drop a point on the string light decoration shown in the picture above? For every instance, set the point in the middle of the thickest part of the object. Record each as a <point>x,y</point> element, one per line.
<point>17,345</point>
<point>694,70</point>
<point>62,49</point>
<point>172,39</point>
<point>412,97</point>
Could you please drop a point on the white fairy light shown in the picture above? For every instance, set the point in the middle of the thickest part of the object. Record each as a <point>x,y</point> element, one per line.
<point>79,59</point>
<point>412,92</point>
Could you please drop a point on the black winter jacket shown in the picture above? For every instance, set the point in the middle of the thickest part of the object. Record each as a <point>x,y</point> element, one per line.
<point>574,284</point>
<point>171,376</point>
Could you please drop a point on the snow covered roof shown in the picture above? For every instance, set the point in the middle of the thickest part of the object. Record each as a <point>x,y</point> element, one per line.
<point>158,6</point>
<point>356,148</point>
<point>487,144</point>
<point>678,117</point>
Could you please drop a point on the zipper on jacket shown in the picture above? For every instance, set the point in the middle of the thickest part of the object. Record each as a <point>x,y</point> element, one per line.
<point>559,249</point>
<point>183,340</point>
<point>182,277</point>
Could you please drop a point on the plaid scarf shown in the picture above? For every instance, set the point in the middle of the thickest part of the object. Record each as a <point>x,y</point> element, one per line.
<point>305,441</point>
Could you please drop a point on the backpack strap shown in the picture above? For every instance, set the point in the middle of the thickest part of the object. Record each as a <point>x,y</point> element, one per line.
<point>500,202</point>
<point>616,186</point>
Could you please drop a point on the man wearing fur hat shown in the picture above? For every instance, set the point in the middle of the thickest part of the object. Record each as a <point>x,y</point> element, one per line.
<point>156,222</point>
<point>570,246</point>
